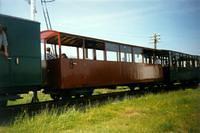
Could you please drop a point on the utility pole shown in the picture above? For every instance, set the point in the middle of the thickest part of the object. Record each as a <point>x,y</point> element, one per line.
<point>33,9</point>
<point>0,6</point>
<point>156,39</point>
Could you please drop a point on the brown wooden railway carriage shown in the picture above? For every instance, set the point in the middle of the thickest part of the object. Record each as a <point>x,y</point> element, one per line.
<point>81,72</point>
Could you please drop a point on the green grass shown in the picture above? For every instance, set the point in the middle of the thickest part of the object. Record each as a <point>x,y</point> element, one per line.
<point>105,90</point>
<point>177,111</point>
<point>26,98</point>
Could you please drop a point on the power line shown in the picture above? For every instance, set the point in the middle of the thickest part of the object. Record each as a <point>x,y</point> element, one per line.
<point>46,13</point>
<point>47,1</point>
<point>47,18</point>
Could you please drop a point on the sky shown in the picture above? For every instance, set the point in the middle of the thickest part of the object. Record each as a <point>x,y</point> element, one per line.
<point>126,21</point>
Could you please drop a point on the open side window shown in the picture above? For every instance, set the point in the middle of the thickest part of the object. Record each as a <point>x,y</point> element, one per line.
<point>3,41</point>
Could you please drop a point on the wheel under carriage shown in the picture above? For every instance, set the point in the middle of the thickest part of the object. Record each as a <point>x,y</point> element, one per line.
<point>68,94</point>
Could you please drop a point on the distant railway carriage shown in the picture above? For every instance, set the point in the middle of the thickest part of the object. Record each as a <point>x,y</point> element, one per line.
<point>177,67</point>
<point>97,63</point>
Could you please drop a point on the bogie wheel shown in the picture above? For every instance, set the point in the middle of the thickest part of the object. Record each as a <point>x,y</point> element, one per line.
<point>3,103</point>
<point>77,95</point>
<point>65,97</point>
<point>55,97</point>
<point>89,93</point>
<point>35,98</point>
<point>132,88</point>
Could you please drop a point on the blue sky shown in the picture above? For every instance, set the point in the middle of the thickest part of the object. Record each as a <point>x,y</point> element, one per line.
<point>129,21</point>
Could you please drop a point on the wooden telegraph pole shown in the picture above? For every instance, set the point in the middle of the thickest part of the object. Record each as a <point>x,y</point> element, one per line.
<point>156,39</point>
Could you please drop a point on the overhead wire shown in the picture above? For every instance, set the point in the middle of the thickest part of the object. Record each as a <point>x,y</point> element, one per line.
<point>44,14</point>
<point>47,13</point>
<point>47,19</point>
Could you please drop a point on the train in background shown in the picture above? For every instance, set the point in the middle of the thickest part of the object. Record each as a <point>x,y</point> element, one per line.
<point>97,64</point>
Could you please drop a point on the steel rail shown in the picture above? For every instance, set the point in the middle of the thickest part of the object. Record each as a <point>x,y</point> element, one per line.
<point>10,112</point>
<point>34,108</point>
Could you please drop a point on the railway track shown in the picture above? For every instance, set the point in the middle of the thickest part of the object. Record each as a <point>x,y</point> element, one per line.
<point>34,108</point>
<point>9,113</point>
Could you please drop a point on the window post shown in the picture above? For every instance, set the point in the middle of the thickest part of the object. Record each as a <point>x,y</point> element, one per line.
<point>133,55</point>
<point>77,49</point>
<point>83,49</point>
<point>105,55</point>
<point>119,53</point>
<point>59,45</point>
<point>94,54</point>
<point>45,49</point>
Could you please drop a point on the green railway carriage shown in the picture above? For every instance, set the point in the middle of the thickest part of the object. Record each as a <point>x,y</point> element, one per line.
<point>183,67</point>
<point>21,71</point>
<point>179,67</point>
